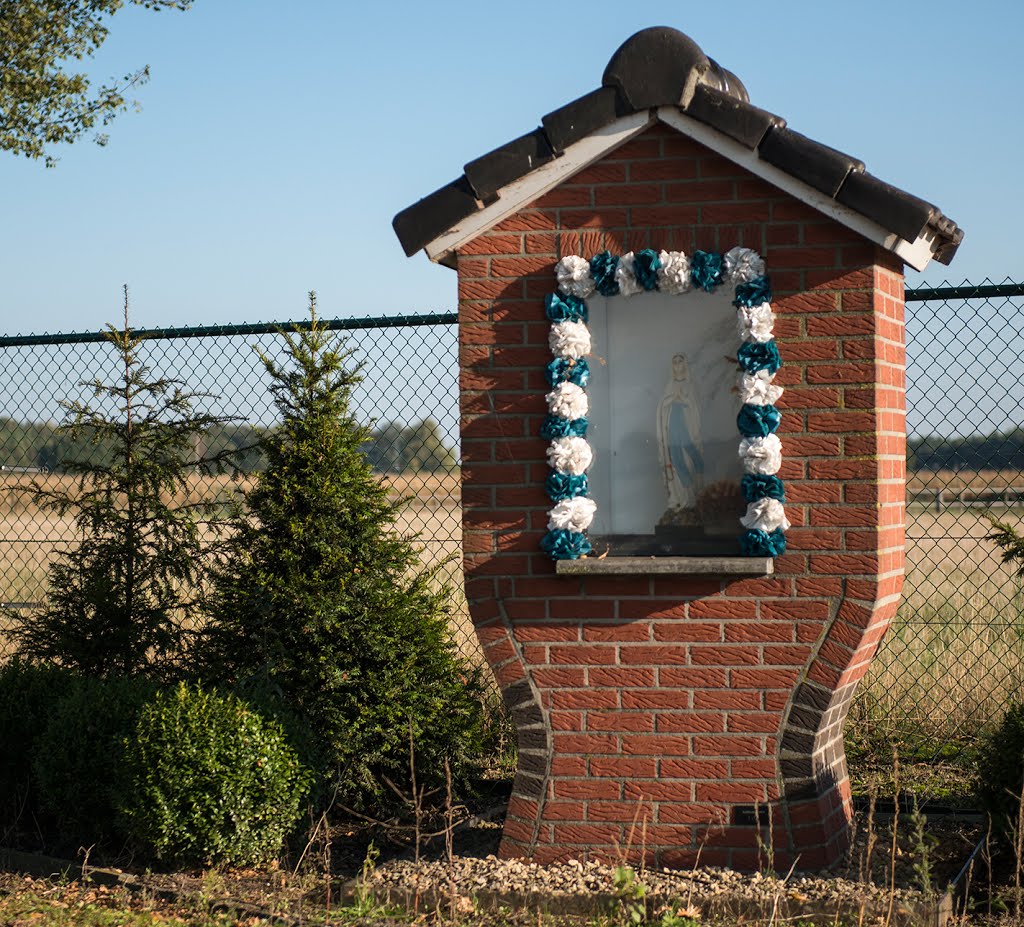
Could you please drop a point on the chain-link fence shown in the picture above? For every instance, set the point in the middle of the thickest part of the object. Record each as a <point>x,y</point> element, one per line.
<point>408,396</point>
<point>955,654</point>
<point>945,670</point>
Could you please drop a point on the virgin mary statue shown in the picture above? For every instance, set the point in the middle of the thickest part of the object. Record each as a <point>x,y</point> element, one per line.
<point>680,449</point>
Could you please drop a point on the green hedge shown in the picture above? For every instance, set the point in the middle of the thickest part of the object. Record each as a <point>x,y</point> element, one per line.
<point>29,694</point>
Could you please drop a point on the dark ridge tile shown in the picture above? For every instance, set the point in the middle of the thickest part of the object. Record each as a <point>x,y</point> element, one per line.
<point>418,225</point>
<point>723,80</point>
<point>582,117</point>
<point>892,208</point>
<point>659,66</point>
<point>488,174</point>
<point>947,248</point>
<point>742,122</point>
<point>801,157</point>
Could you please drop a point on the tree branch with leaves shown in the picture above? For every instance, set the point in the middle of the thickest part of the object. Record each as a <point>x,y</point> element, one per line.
<point>42,102</point>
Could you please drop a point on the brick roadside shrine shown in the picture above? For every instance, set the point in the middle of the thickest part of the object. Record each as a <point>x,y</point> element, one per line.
<point>682,420</point>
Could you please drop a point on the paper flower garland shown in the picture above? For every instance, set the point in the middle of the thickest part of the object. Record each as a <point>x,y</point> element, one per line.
<point>565,426</point>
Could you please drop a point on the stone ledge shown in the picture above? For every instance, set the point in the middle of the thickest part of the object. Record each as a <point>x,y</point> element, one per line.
<point>663,566</point>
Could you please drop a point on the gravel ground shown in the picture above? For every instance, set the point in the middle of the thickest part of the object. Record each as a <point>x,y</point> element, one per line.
<point>481,879</point>
<point>475,887</point>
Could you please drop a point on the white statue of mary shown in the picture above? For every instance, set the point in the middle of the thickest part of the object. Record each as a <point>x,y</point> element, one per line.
<point>680,448</point>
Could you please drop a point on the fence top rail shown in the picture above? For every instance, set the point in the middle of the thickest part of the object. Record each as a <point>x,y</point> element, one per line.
<point>916,295</point>
<point>254,328</point>
<point>965,291</point>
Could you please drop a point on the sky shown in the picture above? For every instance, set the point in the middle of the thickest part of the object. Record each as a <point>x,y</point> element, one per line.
<point>277,141</point>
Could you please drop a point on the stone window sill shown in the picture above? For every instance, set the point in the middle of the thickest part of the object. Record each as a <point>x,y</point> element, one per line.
<point>667,566</point>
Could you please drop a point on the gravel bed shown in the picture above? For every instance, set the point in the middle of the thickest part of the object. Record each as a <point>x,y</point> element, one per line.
<point>587,887</point>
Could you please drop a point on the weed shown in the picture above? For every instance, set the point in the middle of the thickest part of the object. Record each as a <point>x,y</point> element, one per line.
<point>630,896</point>
<point>923,844</point>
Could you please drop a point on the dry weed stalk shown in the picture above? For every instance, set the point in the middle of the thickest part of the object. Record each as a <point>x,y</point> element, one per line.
<point>895,834</point>
<point>449,837</point>
<point>1018,856</point>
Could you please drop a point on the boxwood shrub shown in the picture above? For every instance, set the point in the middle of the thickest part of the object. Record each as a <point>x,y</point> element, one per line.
<point>210,781</point>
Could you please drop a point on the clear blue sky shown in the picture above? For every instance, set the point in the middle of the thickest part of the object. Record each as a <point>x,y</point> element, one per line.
<point>278,139</point>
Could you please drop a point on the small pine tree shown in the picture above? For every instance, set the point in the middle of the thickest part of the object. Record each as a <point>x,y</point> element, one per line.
<point>1005,536</point>
<point>126,598</point>
<point>323,602</point>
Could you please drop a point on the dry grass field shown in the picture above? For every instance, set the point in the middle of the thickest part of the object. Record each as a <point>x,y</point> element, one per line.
<point>955,653</point>
<point>948,665</point>
<point>29,536</point>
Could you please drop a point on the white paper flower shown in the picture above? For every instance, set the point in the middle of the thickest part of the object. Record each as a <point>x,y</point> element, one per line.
<point>674,273</point>
<point>626,277</point>
<point>569,339</point>
<point>757,389</point>
<point>574,279</point>
<point>567,400</point>
<point>572,514</point>
<point>570,455</point>
<point>754,323</point>
<point>760,455</point>
<point>765,515</point>
<point>742,265</point>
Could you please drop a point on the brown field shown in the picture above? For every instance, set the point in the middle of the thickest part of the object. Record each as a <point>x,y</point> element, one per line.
<point>952,658</point>
<point>927,480</point>
<point>29,536</point>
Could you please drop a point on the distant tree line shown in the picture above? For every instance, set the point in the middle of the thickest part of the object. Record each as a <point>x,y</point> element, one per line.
<point>392,447</point>
<point>997,451</point>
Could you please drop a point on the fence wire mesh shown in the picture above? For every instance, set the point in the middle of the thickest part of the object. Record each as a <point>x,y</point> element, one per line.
<point>955,654</point>
<point>946,669</point>
<point>408,396</point>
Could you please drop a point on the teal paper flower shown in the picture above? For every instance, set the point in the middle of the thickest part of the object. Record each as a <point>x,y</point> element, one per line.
<point>567,370</point>
<point>757,421</point>
<point>757,543</point>
<point>564,307</point>
<point>753,293</point>
<point>754,356</point>
<point>602,269</point>
<point>756,486</point>
<point>646,264</point>
<point>554,426</point>
<point>706,269</point>
<point>567,545</point>
<point>561,486</point>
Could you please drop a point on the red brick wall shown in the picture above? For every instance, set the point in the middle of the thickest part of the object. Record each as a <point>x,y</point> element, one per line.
<point>652,710</point>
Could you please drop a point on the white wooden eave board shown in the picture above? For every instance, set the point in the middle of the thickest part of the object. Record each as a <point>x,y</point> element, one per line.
<point>519,193</point>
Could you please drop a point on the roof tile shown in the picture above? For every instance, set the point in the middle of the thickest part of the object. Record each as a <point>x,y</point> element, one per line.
<point>801,157</point>
<point>488,174</point>
<point>742,122</point>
